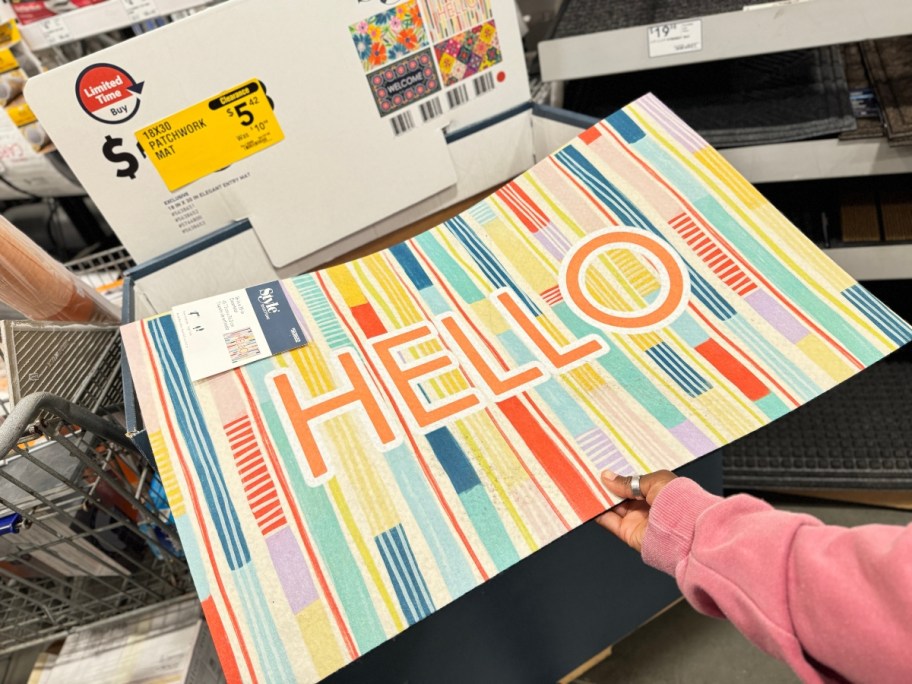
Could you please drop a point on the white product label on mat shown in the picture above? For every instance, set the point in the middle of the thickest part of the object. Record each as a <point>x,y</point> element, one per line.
<point>230,330</point>
<point>675,38</point>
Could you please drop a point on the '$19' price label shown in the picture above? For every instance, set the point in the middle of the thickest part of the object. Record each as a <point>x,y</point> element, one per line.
<point>211,134</point>
<point>675,38</point>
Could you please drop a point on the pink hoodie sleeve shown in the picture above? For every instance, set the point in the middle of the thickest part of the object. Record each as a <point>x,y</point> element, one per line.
<point>832,602</point>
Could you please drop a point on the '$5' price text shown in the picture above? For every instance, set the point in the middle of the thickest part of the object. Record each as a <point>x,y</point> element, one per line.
<point>237,106</point>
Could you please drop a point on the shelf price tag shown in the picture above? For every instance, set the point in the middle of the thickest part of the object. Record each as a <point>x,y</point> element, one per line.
<point>675,38</point>
<point>140,10</point>
<point>9,33</point>
<point>211,134</point>
<point>55,31</point>
<point>8,60</point>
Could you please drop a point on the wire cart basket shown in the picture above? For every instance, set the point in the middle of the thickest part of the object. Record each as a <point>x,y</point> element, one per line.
<point>85,529</point>
<point>104,271</point>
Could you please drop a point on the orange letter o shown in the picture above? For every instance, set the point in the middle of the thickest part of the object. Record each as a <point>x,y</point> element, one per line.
<point>672,275</point>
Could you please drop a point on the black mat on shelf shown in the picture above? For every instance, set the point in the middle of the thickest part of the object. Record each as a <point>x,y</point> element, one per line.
<point>889,65</point>
<point>578,17</point>
<point>858,80</point>
<point>856,436</point>
<point>764,99</point>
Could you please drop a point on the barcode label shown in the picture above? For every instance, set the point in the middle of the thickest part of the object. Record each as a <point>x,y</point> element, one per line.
<point>484,83</point>
<point>457,96</point>
<point>402,122</point>
<point>431,109</point>
<point>241,345</point>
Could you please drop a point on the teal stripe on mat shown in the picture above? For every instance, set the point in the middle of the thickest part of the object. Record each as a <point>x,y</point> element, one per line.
<point>194,556</point>
<point>793,377</point>
<point>485,519</point>
<point>263,627</point>
<point>319,307</point>
<point>489,526</point>
<point>624,371</point>
<point>772,406</point>
<point>450,556</point>
<point>567,410</point>
<point>456,277</point>
<point>324,524</point>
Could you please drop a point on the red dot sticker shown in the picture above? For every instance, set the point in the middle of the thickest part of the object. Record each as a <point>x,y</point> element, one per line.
<point>107,93</point>
<point>501,76</point>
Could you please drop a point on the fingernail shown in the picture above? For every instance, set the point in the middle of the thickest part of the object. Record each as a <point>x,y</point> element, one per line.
<point>608,475</point>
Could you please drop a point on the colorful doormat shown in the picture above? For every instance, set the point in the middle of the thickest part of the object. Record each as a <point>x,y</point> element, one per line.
<point>630,303</point>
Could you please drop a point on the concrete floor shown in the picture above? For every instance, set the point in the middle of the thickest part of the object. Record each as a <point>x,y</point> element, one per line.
<point>683,646</point>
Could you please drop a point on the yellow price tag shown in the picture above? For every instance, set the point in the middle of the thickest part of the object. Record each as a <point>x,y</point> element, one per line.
<point>8,61</point>
<point>20,113</point>
<point>9,33</point>
<point>211,134</point>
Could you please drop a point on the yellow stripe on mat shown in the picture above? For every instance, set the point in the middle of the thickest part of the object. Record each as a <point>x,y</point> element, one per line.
<point>319,637</point>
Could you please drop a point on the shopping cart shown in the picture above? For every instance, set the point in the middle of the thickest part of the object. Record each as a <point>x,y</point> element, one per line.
<point>104,271</point>
<point>85,533</point>
<point>85,530</point>
<point>79,362</point>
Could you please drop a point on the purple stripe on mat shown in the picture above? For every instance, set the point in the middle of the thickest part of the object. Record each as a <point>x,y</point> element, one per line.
<point>546,240</point>
<point>297,314</point>
<point>776,315</point>
<point>669,117</point>
<point>292,569</point>
<point>686,138</point>
<point>557,237</point>
<point>602,452</point>
<point>690,436</point>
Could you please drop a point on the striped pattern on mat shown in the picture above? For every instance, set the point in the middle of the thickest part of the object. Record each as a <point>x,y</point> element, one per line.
<point>629,303</point>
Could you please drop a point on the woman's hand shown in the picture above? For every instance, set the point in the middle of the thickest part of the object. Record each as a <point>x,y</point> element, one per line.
<point>629,519</point>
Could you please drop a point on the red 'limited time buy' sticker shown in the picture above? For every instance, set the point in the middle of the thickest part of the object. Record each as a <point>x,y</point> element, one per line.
<point>107,93</point>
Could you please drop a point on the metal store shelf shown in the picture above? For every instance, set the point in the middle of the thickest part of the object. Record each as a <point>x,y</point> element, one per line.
<point>812,159</point>
<point>761,30</point>
<point>94,19</point>
<point>874,262</point>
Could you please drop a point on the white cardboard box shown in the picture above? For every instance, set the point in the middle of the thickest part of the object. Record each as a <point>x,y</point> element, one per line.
<point>341,169</point>
<point>231,258</point>
<point>169,645</point>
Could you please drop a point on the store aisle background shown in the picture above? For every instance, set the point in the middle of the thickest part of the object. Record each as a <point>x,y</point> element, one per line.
<point>679,645</point>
